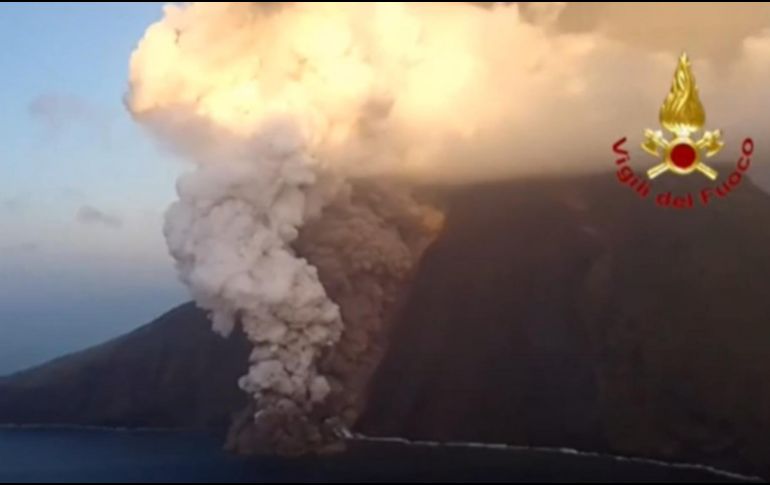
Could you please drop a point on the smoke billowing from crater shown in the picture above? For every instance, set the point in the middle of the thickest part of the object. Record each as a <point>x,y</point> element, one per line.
<point>278,106</point>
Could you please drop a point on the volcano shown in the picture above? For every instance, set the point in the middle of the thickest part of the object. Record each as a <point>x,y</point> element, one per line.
<point>562,311</point>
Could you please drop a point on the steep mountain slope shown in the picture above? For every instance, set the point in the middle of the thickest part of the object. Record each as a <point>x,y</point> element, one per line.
<point>572,312</point>
<point>173,372</point>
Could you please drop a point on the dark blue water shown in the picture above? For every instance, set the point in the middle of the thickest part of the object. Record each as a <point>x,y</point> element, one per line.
<point>76,455</point>
<point>94,456</point>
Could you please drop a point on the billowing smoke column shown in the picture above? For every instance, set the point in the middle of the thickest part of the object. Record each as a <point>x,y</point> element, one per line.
<point>275,108</point>
<point>230,233</point>
<point>279,106</point>
<point>366,245</point>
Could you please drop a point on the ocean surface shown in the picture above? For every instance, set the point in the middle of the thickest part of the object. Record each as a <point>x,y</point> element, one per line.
<point>84,455</point>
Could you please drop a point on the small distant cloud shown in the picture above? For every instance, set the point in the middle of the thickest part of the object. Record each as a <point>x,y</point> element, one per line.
<point>91,215</point>
<point>58,112</point>
<point>26,247</point>
<point>14,204</point>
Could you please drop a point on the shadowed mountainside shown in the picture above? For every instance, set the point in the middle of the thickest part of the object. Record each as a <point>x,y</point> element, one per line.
<point>572,312</point>
<point>173,372</point>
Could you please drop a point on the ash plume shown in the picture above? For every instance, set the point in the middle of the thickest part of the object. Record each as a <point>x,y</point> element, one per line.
<point>297,117</point>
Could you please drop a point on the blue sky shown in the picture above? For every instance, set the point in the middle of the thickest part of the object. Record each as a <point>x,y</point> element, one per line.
<point>82,187</point>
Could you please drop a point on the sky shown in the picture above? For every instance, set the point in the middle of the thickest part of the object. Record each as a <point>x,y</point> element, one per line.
<point>82,187</point>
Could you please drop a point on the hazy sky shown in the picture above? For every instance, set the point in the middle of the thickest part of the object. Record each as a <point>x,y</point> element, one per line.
<point>82,187</point>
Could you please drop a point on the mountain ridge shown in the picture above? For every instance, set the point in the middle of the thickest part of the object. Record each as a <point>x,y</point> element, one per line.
<point>140,379</point>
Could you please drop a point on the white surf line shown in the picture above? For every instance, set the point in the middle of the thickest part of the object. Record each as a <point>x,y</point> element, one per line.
<point>436,444</point>
<point>563,451</point>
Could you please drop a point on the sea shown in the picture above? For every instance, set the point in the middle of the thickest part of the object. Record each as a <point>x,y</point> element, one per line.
<point>76,455</point>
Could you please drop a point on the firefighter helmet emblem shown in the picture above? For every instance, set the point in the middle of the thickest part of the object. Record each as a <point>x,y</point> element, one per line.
<point>682,115</point>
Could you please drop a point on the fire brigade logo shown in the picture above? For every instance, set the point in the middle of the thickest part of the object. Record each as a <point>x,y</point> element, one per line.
<point>680,153</point>
<point>682,115</point>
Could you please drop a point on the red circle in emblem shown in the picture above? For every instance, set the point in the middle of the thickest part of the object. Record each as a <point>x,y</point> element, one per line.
<point>683,155</point>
